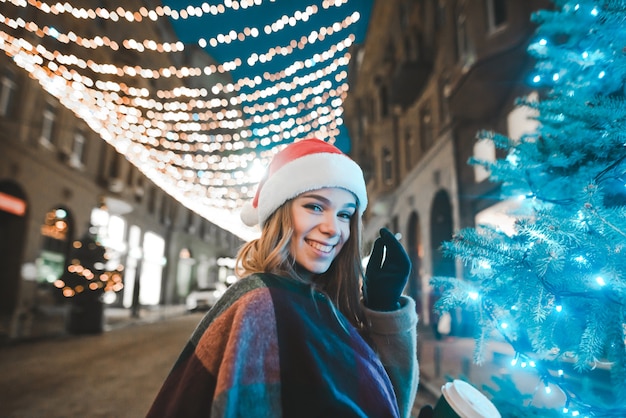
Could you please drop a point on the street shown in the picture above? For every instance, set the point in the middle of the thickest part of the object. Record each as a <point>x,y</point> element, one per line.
<point>114,374</point>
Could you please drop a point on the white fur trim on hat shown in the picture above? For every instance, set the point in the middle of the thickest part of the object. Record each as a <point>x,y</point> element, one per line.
<point>309,172</point>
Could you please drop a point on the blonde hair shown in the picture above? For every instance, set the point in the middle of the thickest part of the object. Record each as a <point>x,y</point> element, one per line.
<point>270,254</point>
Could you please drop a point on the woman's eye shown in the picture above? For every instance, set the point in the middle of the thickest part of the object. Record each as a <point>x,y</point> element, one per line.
<point>313,207</point>
<point>345,215</point>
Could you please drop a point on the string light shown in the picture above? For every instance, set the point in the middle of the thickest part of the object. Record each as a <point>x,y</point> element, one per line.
<point>172,135</point>
<point>137,16</point>
<point>252,60</point>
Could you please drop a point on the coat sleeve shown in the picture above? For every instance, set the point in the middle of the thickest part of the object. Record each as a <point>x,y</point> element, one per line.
<point>394,337</point>
<point>230,367</point>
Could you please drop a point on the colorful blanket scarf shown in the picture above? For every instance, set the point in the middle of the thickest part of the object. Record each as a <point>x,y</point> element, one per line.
<point>272,347</point>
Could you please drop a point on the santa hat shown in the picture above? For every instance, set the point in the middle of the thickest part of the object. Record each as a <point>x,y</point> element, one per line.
<point>300,167</point>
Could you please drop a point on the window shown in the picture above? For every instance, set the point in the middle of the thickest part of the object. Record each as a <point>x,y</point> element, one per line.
<point>78,149</point>
<point>152,200</point>
<point>7,91</point>
<point>387,167</point>
<point>130,177</point>
<point>444,92</point>
<point>440,15</point>
<point>427,138</point>
<point>522,120</point>
<point>496,14</point>
<point>132,261</point>
<point>56,232</point>
<point>484,150</point>
<point>164,215</point>
<point>384,104</point>
<point>191,219</point>
<point>139,190</point>
<point>462,43</point>
<point>115,166</point>
<point>151,269</point>
<point>404,14</point>
<point>47,124</point>
<point>203,230</point>
<point>409,145</point>
<point>362,118</point>
<point>410,52</point>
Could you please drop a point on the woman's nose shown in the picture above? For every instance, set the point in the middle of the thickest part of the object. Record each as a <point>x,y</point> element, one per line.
<point>329,225</point>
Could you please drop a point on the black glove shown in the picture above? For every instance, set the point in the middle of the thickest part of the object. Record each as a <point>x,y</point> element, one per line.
<point>426,412</point>
<point>383,284</point>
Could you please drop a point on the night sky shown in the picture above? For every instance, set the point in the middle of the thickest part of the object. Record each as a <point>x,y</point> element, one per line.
<point>192,29</point>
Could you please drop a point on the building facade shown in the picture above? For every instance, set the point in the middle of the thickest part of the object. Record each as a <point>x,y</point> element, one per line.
<point>430,75</point>
<point>58,178</point>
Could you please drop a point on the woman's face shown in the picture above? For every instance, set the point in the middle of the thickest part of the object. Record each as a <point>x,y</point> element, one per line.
<point>321,221</point>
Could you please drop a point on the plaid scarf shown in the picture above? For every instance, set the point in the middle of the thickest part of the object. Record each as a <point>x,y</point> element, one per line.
<point>272,347</point>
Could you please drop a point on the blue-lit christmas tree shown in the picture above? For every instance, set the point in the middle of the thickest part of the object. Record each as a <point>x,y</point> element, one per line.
<point>555,289</point>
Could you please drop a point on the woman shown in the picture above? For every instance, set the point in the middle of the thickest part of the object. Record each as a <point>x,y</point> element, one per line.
<point>294,337</point>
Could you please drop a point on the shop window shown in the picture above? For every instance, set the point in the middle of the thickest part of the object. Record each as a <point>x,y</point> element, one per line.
<point>135,254</point>
<point>55,232</point>
<point>152,269</point>
<point>184,272</point>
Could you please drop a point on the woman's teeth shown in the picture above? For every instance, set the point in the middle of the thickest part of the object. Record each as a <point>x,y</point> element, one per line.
<point>320,247</point>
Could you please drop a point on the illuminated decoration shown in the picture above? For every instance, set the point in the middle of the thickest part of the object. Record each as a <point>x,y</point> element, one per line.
<point>280,76</point>
<point>120,12</point>
<point>55,225</point>
<point>554,287</point>
<point>86,276</point>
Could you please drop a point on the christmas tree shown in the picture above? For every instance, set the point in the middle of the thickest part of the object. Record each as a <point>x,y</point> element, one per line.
<point>555,288</point>
<point>84,281</point>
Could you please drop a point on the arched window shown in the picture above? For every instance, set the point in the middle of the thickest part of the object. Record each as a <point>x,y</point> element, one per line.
<point>484,150</point>
<point>56,233</point>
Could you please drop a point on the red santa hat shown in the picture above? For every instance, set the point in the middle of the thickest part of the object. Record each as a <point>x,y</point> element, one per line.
<point>300,167</point>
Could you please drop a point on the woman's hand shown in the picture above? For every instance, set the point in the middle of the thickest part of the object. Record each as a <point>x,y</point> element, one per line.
<point>386,274</point>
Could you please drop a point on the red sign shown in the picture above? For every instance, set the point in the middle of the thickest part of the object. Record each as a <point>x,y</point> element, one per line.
<point>12,204</point>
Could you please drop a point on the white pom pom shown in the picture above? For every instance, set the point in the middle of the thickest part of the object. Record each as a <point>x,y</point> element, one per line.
<point>249,214</point>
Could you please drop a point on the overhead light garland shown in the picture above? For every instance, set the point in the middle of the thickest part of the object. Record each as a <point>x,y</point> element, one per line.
<point>198,149</point>
<point>137,16</point>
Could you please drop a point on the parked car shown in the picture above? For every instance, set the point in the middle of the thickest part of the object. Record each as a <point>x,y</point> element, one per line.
<point>203,299</point>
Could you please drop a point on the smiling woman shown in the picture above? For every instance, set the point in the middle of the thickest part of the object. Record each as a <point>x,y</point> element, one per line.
<point>295,337</point>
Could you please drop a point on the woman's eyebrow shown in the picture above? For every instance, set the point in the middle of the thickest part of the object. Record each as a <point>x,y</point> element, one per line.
<point>317,197</point>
